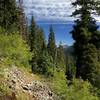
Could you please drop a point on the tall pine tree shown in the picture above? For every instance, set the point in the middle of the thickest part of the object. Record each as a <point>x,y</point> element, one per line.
<point>51,44</point>
<point>41,43</point>
<point>32,35</point>
<point>41,61</point>
<point>61,64</point>
<point>8,14</point>
<point>23,25</point>
<point>84,30</point>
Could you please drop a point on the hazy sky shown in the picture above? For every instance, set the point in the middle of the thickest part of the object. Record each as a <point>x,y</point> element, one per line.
<point>56,12</point>
<point>50,9</point>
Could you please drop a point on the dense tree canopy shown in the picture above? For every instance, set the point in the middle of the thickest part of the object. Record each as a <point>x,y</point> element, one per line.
<point>61,63</point>
<point>51,43</point>
<point>84,33</point>
<point>54,64</point>
<point>23,25</point>
<point>8,18</point>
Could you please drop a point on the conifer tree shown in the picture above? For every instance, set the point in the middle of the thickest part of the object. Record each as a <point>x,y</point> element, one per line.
<point>8,14</point>
<point>41,43</point>
<point>51,43</point>
<point>61,64</point>
<point>70,67</point>
<point>23,25</point>
<point>84,30</point>
<point>32,34</point>
<point>40,60</point>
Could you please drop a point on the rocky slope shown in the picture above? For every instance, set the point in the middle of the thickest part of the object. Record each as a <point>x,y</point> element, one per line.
<point>25,86</point>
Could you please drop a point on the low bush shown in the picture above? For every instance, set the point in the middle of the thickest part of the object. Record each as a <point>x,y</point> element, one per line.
<point>14,50</point>
<point>77,89</point>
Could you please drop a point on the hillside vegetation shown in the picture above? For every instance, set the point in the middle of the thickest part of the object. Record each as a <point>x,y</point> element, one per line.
<point>16,77</point>
<point>33,69</point>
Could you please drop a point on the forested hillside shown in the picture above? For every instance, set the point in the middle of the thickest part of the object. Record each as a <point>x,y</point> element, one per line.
<point>32,68</point>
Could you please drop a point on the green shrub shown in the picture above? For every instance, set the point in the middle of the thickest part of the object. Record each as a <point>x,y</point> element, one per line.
<point>77,89</point>
<point>43,64</point>
<point>80,90</point>
<point>4,88</point>
<point>14,50</point>
<point>59,84</point>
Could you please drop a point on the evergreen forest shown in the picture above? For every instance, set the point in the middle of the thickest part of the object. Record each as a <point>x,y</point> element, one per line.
<point>71,73</point>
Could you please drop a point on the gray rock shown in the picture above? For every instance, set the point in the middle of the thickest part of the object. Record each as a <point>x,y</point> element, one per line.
<point>38,90</point>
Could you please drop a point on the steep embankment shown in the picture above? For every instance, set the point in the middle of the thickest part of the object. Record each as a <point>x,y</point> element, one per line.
<point>19,83</point>
<point>23,85</point>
